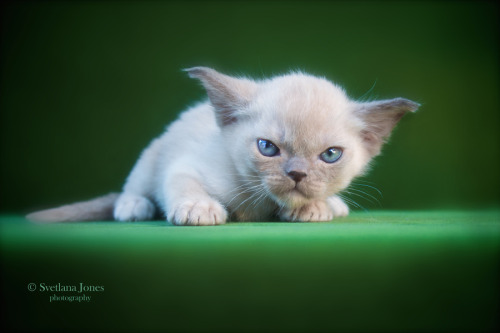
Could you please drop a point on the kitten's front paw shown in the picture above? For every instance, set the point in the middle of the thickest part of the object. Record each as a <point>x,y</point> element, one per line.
<point>203,212</point>
<point>313,211</point>
<point>339,207</point>
<point>131,207</point>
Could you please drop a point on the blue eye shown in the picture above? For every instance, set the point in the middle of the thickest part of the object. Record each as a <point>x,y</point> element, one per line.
<point>331,155</point>
<point>267,148</point>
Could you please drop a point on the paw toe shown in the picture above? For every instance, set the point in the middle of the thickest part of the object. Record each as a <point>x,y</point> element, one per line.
<point>315,211</point>
<point>198,213</point>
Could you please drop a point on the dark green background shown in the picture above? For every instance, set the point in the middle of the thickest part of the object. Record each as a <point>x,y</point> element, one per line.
<point>86,85</point>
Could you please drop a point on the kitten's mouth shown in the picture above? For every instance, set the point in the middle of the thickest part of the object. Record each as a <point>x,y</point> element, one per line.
<point>295,196</point>
<point>291,196</point>
<point>297,191</point>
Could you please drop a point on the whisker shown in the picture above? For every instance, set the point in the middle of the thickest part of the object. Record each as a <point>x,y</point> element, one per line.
<point>366,185</point>
<point>243,186</point>
<point>248,183</point>
<point>248,190</point>
<point>245,176</point>
<point>249,198</point>
<point>261,195</point>
<point>363,195</point>
<point>281,206</point>
<point>260,199</point>
<point>352,202</point>
<point>364,97</point>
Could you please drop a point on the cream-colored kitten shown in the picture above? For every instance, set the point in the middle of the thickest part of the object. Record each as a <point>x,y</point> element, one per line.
<point>282,147</point>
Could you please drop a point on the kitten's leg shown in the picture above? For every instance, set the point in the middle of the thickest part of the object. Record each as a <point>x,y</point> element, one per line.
<point>134,203</point>
<point>338,205</point>
<point>187,202</point>
<point>133,207</point>
<point>320,210</point>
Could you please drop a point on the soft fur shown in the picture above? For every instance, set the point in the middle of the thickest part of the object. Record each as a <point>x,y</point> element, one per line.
<point>207,168</point>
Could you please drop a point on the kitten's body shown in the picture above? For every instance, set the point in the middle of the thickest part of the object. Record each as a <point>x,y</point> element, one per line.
<point>214,162</point>
<point>188,159</point>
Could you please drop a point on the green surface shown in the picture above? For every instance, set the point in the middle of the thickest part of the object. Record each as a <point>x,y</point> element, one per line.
<point>369,272</point>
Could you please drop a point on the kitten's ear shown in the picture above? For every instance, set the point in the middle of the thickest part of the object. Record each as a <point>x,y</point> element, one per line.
<point>379,118</point>
<point>228,95</point>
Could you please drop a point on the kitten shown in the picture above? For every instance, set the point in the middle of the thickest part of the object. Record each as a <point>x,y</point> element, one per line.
<point>282,147</point>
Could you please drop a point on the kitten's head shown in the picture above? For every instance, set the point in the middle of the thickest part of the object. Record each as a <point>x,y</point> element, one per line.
<point>298,136</point>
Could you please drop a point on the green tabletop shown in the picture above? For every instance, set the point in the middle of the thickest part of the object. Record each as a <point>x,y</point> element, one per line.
<point>369,272</point>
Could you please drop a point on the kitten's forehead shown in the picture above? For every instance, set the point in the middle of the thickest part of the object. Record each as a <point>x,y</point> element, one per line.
<point>305,112</point>
<point>300,96</point>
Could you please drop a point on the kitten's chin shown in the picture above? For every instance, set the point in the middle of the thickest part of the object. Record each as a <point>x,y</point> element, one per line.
<point>293,198</point>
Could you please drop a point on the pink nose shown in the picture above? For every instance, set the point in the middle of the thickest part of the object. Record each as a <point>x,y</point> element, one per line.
<point>296,175</point>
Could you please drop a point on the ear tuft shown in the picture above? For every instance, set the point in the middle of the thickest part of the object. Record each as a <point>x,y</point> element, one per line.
<point>394,105</point>
<point>198,72</point>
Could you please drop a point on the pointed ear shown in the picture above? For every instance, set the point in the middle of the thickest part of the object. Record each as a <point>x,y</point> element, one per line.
<point>379,118</point>
<point>228,95</point>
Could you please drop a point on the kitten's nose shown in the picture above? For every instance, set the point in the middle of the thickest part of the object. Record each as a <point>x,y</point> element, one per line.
<point>296,175</point>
